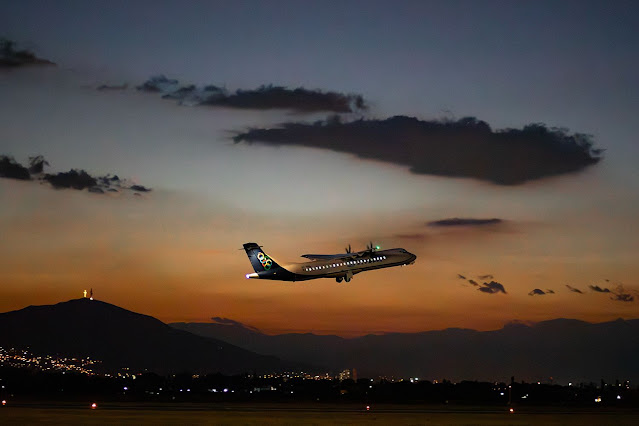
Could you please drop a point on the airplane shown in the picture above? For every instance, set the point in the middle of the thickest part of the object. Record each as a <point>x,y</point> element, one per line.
<point>341,266</point>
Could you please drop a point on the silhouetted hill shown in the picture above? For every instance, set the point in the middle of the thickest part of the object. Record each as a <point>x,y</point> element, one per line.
<point>565,349</point>
<point>121,338</point>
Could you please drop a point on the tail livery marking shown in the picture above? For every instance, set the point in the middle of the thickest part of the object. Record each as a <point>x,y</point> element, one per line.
<point>265,260</point>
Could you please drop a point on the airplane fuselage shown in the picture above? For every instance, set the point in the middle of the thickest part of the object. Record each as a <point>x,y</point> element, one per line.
<point>340,267</point>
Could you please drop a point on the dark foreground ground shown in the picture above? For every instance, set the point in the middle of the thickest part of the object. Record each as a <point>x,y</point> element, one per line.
<point>288,414</point>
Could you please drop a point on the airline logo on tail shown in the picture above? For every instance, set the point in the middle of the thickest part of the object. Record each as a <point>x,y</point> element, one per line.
<point>265,260</point>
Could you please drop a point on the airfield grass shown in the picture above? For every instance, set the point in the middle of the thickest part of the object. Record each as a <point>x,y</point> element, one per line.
<point>294,415</point>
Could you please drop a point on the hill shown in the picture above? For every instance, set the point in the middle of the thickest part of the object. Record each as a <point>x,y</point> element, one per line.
<point>121,338</point>
<point>566,350</point>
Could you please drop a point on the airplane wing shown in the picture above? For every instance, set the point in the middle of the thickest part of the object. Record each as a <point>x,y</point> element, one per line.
<point>330,256</point>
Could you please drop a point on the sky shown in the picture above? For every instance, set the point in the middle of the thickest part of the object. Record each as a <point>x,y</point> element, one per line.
<point>173,252</point>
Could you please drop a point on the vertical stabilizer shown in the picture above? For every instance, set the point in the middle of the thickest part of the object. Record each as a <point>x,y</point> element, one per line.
<point>260,260</point>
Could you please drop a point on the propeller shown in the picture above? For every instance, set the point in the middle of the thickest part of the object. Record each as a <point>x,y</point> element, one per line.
<point>371,248</point>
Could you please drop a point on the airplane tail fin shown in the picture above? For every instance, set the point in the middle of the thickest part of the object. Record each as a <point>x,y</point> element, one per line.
<point>260,260</point>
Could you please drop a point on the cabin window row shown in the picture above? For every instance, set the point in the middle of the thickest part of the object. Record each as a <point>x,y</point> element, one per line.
<point>349,263</point>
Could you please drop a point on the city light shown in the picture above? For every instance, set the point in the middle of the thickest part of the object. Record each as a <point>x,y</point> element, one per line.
<point>94,406</point>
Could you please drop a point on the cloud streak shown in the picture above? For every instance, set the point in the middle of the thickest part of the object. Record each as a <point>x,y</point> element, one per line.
<point>12,58</point>
<point>467,147</point>
<point>573,289</point>
<point>464,222</point>
<point>263,98</point>
<point>73,179</point>
<point>598,289</point>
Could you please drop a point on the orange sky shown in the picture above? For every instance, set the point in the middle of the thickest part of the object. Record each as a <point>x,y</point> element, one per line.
<point>177,258</point>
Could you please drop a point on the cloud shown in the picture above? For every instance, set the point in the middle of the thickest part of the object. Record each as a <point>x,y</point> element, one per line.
<point>537,291</point>
<point>300,99</point>
<point>485,277</point>
<point>623,297</point>
<point>460,276</point>
<point>11,169</point>
<point>464,222</point>
<point>76,179</point>
<point>36,164</point>
<point>263,98</point>
<point>12,58</point>
<point>492,288</point>
<point>159,84</point>
<point>473,282</point>
<point>139,188</point>
<point>621,294</point>
<point>464,148</point>
<point>73,179</point>
<point>599,289</point>
<point>574,290</point>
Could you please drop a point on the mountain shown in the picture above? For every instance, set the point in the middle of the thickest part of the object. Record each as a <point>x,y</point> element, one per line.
<point>121,338</point>
<point>564,349</point>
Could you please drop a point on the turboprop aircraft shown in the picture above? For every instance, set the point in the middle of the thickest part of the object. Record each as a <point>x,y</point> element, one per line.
<point>341,266</point>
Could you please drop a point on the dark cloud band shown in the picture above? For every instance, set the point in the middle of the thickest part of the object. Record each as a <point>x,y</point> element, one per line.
<point>464,222</point>
<point>12,58</point>
<point>464,148</point>
<point>73,179</point>
<point>262,98</point>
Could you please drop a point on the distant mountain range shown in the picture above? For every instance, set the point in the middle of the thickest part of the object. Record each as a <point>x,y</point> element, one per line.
<point>565,349</point>
<point>121,338</point>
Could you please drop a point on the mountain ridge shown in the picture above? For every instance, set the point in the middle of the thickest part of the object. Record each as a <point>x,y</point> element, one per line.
<point>562,348</point>
<point>121,338</point>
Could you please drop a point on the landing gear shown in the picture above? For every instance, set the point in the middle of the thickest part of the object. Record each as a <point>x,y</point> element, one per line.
<point>346,277</point>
